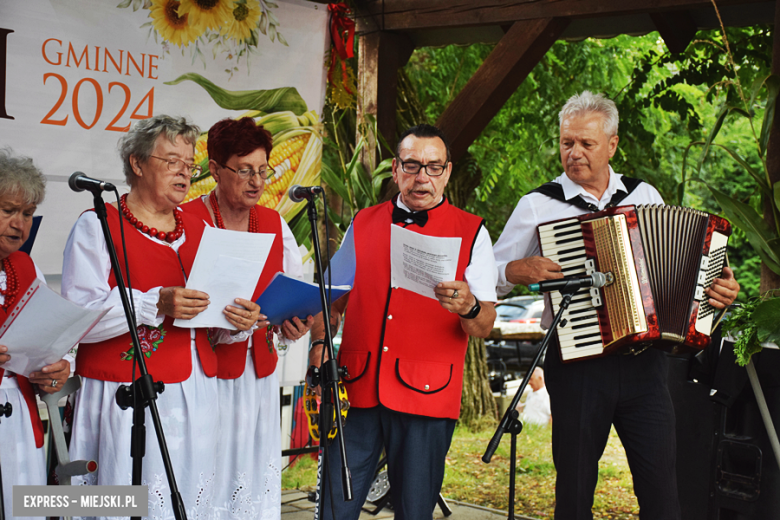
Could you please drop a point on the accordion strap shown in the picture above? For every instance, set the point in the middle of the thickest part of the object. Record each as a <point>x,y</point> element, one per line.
<point>555,191</point>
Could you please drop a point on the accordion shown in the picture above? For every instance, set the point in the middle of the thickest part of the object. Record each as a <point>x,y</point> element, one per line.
<point>662,259</point>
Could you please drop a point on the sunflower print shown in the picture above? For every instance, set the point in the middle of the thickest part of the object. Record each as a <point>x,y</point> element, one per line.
<point>207,14</point>
<point>170,25</point>
<point>243,21</point>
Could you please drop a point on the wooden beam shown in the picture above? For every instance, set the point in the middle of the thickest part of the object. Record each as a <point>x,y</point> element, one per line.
<point>380,56</point>
<point>677,29</point>
<point>769,279</point>
<point>501,73</point>
<point>405,15</point>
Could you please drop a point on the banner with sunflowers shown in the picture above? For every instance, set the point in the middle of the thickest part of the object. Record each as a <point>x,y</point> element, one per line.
<point>75,74</point>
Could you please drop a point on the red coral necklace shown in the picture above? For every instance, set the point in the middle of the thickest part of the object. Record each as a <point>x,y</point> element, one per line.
<point>253,225</point>
<point>170,237</point>
<point>11,284</point>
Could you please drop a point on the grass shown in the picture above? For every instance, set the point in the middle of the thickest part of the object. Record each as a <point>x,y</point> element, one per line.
<point>468,479</point>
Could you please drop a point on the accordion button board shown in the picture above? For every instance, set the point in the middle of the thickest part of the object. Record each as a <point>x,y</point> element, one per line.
<point>662,259</point>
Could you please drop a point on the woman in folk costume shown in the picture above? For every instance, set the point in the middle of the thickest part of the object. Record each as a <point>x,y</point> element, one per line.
<point>249,470</point>
<point>162,241</point>
<point>22,457</point>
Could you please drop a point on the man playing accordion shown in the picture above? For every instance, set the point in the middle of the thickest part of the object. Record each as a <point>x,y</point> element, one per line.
<point>589,396</point>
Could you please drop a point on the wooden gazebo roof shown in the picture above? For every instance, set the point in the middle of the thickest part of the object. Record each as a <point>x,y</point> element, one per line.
<point>523,31</point>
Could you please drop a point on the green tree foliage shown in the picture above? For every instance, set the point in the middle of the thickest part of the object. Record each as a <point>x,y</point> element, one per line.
<point>665,101</point>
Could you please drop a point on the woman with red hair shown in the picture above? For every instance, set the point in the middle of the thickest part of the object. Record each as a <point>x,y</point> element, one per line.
<point>249,470</point>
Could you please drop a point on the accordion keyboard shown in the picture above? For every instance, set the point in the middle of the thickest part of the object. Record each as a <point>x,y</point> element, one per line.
<point>580,336</point>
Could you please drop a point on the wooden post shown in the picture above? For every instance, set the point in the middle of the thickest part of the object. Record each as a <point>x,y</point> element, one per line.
<point>677,29</point>
<point>498,77</point>
<point>380,56</point>
<point>769,279</point>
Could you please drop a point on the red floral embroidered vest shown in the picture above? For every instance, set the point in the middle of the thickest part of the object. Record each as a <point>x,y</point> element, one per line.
<point>25,274</point>
<point>166,348</point>
<point>401,349</point>
<point>231,359</point>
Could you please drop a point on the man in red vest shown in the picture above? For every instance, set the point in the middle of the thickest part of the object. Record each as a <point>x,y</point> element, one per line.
<point>405,352</point>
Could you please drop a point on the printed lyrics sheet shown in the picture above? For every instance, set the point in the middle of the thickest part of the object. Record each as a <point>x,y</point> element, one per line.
<point>419,262</point>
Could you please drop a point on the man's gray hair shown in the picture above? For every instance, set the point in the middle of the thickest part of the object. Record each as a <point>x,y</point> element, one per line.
<point>580,104</point>
<point>141,138</point>
<point>19,176</point>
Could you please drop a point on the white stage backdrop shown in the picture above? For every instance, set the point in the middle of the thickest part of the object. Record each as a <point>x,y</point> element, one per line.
<point>79,72</point>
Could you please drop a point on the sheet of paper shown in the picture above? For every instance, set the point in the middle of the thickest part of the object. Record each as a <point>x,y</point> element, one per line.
<point>227,266</point>
<point>419,262</point>
<point>42,328</point>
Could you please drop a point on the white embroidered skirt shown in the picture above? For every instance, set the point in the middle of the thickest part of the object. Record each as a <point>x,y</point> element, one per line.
<point>249,478</point>
<point>190,418</point>
<point>22,463</point>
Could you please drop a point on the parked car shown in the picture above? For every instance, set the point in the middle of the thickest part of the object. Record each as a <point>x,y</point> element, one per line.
<point>509,359</point>
<point>519,314</point>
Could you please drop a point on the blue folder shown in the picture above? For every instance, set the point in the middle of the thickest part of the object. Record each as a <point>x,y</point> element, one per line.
<point>286,297</point>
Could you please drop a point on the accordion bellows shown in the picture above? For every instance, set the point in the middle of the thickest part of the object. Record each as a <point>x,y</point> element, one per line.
<point>662,259</point>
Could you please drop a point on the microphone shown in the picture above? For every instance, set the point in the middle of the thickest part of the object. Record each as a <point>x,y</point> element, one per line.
<point>300,193</point>
<point>573,284</point>
<point>80,182</point>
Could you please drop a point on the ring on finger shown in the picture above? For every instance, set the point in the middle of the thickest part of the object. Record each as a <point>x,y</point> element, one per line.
<point>454,294</point>
<point>54,383</point>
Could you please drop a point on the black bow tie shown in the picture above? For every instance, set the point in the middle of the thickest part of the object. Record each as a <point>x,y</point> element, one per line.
<point>401,215</point>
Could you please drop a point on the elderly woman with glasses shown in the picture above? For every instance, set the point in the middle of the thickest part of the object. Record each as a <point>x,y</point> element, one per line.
<point>249,471</point>
<point>161,242</point>
<point>22,188</point>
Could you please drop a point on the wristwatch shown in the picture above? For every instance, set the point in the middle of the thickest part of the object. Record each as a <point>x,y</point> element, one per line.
<point>473,312</point>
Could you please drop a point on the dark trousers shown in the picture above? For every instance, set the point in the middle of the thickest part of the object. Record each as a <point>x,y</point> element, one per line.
<point>586,398</point>
<point>416,448</point>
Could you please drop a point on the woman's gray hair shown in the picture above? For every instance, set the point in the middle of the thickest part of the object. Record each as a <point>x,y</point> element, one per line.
<point>141,138</point>
<point>19,176</point>
<point>586,102</point>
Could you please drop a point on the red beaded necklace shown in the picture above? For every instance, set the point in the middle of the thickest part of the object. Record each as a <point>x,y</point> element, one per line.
<point>161,235</point>
<point>11,284</point>
<point>253,224</point>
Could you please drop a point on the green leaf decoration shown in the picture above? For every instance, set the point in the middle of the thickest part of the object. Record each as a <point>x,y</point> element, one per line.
<point>740,323</point>
<point>773,88</point>
<point>753,173</point>
<point>376,184</point>
<point>124,4</point>
<point>301,230</point>
<point>758,233</point>
<point>275,100</point>
<point>334,182</point>
<point>263,25</point>
<point>722,113</point>
<point>336,218</point>
<point>766,318</point>
<point>776,194</point>
<point>360,184</point>
<point>755,89</point>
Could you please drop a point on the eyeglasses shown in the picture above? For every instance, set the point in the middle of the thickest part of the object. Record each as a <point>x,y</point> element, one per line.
<point>177,165</point>
<point>414,167</point>
<point>248,173</point>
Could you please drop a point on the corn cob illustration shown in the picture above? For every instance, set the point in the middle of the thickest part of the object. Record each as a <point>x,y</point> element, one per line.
<point>295,159</point>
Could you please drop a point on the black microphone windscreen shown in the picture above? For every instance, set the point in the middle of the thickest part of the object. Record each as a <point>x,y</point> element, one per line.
<point>73,181</point>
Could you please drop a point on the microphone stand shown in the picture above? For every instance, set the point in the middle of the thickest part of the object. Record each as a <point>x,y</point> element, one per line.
<point>328,377</point>
<point>510,422</point>
<point>143,391</point>
<point>6,411</point>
